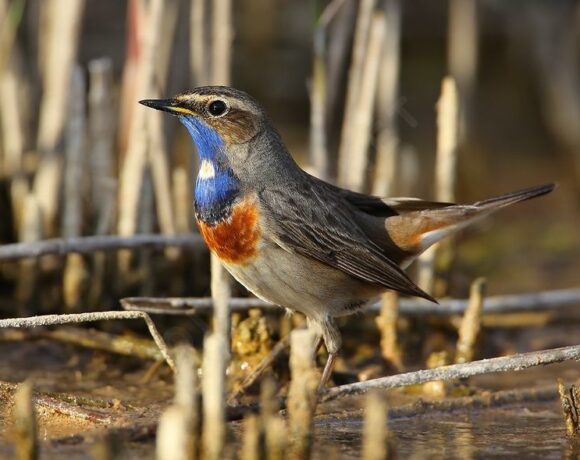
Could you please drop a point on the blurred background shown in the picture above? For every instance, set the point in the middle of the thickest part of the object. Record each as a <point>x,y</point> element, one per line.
<point>79,156</point>
<point>449,100</point>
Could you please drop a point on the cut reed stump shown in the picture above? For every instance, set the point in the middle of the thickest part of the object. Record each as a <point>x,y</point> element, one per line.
<point>302,394</point>
<point>25,426</point>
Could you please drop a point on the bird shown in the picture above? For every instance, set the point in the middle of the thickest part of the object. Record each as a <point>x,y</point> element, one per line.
<point>295,240</point>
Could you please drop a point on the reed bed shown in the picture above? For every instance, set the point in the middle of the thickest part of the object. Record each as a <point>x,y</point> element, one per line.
<point>97,211</point>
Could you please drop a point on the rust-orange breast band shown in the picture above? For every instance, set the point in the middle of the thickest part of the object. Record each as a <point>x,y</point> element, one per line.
<point>235,238</point>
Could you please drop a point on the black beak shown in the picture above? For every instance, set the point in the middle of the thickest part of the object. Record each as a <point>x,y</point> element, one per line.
<point>166,105</point>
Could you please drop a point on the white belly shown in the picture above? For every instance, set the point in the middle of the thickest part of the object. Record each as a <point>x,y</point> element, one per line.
<point>302,284</point>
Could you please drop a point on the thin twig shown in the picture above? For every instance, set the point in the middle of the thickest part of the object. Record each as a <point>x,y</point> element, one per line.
<point>517,362</point>
<point>51,320</point>
<point>260,368</point>
<point>536,301</point>
<point>90,244</point>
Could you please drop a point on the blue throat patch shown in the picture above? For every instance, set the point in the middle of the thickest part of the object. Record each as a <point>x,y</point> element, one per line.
<point>213,196</point>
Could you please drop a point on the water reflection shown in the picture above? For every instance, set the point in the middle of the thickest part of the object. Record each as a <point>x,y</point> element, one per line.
<point>535,431</point>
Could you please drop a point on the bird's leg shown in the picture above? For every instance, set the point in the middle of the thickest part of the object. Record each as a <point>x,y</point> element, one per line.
<point>327,371</point>
<point>333,342</point>
<point>319,342</point>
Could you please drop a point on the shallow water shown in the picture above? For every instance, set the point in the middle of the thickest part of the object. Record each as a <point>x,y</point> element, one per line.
<point>533,431</point>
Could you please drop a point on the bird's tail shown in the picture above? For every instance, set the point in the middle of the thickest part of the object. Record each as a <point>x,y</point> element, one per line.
<point>514,197</point>
<point>417,230</point>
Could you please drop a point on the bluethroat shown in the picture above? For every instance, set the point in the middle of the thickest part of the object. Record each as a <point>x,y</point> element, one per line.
<point>295,240</point>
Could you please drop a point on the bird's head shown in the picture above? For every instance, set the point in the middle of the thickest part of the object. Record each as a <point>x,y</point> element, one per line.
<point>231,132</point>
<point>216,117</point>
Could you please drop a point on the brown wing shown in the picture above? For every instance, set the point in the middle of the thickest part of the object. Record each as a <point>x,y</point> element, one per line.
<point>380,207</point>
<point>319,224</point>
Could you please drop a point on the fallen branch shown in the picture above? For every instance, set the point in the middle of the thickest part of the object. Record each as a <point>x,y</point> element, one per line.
<point>517,362</point>
<point>62,404</point>
<point>51,320</point>
<point>537,301</point>
<point>91,244</point>
<point>127,345</point>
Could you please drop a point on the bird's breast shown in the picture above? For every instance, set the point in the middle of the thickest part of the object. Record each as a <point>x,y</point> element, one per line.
<point>235,237</point>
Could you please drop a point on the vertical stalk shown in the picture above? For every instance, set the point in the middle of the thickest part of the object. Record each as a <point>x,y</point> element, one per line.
<point>387,93</point>
<point>362,112</point>
<point>363,22</point>
<point>445,171</point>
<point>64,20</point>
<point>75,272</point>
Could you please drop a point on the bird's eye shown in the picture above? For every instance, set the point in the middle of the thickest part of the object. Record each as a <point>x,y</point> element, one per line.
<point>217,108</point>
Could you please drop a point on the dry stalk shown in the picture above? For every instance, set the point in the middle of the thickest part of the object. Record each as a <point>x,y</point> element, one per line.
<point>158,158</point>
<point>253,439</point>
<point>570,399</point>
<point>25,426</point>
<point>471,323</point>
<point>375,432</point>
<point>10,18</point>
<point>362,112</point>
<point>302,394</point>
<point>220,294</point>
<point>362,116</point>
<point>133,169</point>
<point>222,35</point>
<point>177,434</point>
<point>102,139</point>
<point>198,39</point>
<point>436,388</point>
<point>64,20</point>
<point>462,51</point>
<point>30,231</point>
<point>318,141</point>
<point>158,154</point>
<point>354,86</point>
<point>174,440</point>
<point>12,123</point>
<point>387,322</point>
<point>215,356</point>
<point>181,199</point>
<point>276,430</point>
<point>445,175</point>
<point>101,124</point>
<point>75,272</point>
<point>387,93</point>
